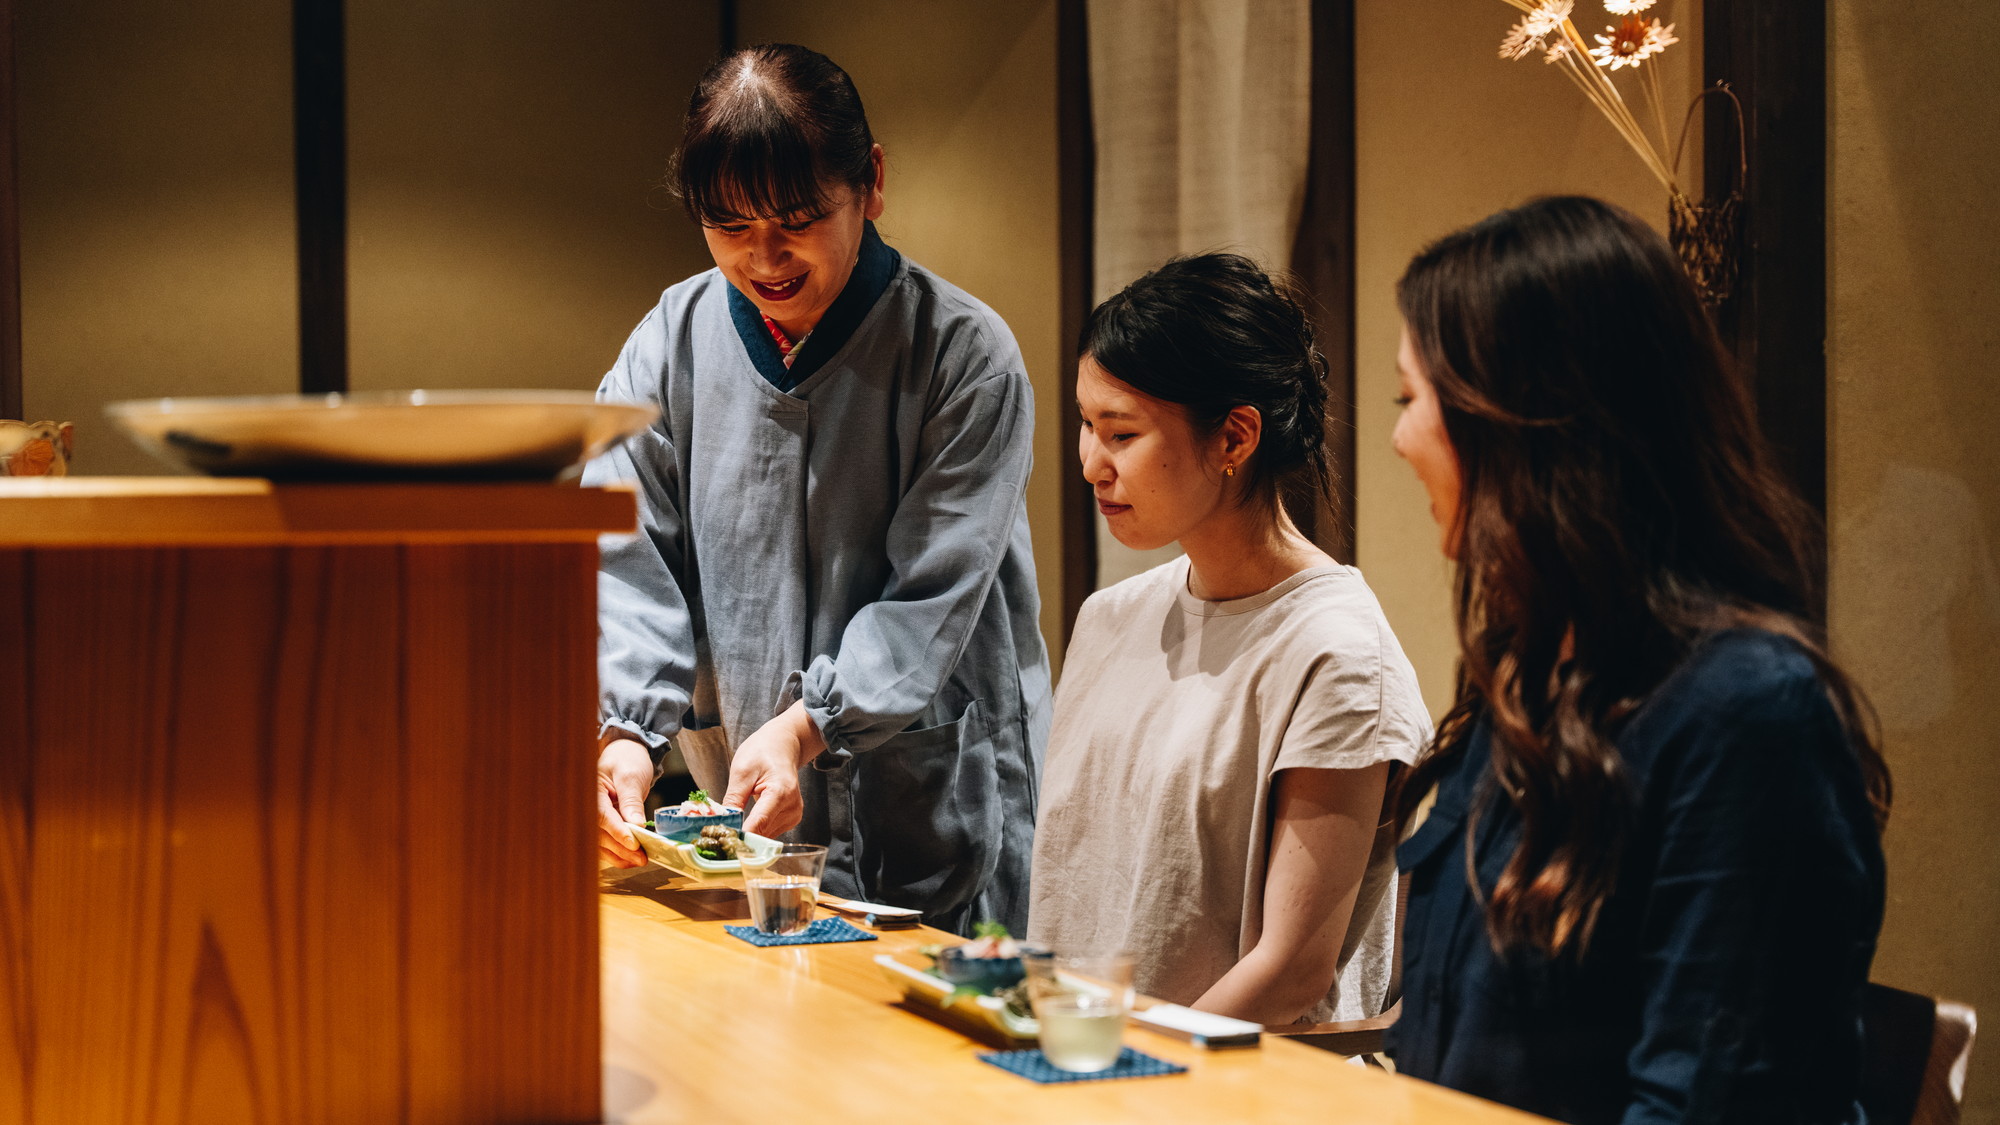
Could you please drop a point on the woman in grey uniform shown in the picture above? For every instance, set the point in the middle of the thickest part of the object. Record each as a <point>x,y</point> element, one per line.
<point>830,606</point>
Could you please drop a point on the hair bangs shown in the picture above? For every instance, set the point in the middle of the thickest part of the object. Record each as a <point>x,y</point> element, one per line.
<point>735,174</point>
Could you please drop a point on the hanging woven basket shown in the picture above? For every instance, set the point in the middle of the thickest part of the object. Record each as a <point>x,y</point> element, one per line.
<point>1707,233</point>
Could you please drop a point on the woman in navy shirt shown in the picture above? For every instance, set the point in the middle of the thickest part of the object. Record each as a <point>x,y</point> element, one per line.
<point>1649,883</point>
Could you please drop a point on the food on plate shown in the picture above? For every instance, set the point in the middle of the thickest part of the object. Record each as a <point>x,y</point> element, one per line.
<point>990,941</point>
<point>1015,996</point>
<point>988,965</point>
<point>720,842</point>
<point>699,804</point>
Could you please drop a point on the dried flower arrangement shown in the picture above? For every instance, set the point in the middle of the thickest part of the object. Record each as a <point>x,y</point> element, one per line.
<point>1703,232</point>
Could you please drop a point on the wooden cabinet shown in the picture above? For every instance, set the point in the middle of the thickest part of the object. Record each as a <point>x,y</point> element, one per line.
<point>296,802</point>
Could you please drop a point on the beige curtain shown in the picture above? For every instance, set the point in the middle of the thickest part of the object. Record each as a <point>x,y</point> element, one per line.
<point>1200,114</point>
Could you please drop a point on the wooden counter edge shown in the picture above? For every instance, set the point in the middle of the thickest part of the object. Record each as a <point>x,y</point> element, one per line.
<point>199,511</point>
<point>692,919</point>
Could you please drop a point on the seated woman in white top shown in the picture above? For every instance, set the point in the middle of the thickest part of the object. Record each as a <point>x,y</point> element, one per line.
<point>1225,722</point>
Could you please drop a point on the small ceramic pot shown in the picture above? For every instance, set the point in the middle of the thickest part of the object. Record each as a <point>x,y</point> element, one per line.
<point>982,973</point>
<point>684,829</point>
<point>35,449</point>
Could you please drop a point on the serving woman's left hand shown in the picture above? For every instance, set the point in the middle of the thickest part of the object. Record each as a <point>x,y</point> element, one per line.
<point>765,771</point>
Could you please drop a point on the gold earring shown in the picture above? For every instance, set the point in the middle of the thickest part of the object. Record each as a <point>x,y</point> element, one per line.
<point>1229,470</point>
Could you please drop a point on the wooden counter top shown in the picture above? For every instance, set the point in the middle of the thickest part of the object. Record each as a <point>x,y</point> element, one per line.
<point>208,511</point>
<point>699,1026</point>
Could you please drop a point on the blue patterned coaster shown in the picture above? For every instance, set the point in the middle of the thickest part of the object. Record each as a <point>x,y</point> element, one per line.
<point>824,930</point>
<point>1036,1066</point>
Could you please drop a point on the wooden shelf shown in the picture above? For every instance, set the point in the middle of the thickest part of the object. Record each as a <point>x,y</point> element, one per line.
<point>204,511</point>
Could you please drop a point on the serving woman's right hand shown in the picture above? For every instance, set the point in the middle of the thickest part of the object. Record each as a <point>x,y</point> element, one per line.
<point>764,772</point>
<point>624,775</point>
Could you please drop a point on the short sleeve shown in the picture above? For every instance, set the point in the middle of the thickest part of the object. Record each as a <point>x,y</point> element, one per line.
<point>1357,703</point>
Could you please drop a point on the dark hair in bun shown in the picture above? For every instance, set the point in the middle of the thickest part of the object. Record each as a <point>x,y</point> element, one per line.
<point>1212,332</point>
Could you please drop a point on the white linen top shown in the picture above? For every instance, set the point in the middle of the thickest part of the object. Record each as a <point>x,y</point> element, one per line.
<point>1173,716</point>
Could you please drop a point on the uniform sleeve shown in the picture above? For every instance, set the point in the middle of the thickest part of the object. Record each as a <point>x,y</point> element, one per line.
<point>1756,931</point>
<point>645,651</point>
<point>945,544</point>
<point>1358,705</point>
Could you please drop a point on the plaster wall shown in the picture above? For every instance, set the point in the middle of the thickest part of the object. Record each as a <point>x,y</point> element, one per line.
<point>155,167</point>
<point>1446,134</point>
<point>1913,339</point>
<point>505,226</point>
<point>508,224</point>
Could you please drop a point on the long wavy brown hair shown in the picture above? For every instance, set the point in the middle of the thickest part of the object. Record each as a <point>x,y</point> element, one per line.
<point>1618,504</point>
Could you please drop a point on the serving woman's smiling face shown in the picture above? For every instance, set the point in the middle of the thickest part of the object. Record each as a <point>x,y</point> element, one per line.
<point>792,267</point>
<point>1153,481</point>
<point>1420,439</point>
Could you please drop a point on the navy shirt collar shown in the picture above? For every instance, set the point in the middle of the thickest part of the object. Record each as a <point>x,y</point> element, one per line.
<point>872,271</point>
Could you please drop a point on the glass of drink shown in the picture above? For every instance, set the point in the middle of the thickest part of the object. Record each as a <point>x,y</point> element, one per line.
<point>1081,1000</point>
<point>784,891</point>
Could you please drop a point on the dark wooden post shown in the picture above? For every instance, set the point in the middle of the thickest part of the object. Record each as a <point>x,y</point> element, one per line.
<point>12,403</point>
<point>1323,258</point>
<point>1076,162</point>
<point>319,118</point>
<point>1774,57</point>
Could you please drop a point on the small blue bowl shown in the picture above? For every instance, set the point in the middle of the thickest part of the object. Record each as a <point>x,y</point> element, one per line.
<point>983,973</point>
<point>685,829</point>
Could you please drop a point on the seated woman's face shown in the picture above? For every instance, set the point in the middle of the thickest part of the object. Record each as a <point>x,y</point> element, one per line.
<point>1153,481</point>
<point>792,267</point>
<point>1421,440</point>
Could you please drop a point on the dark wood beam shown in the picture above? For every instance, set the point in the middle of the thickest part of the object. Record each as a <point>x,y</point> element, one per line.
<point>12,402</point>
<point>1076,174</point>
<point>1774,57</point>
<point>1323,259</point>
<point>319,121</point>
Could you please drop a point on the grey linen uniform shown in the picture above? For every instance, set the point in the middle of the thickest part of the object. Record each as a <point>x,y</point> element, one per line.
<point>858,541</point>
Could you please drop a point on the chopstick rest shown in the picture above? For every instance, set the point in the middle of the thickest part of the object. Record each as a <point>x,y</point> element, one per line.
<point>875,915</point>
<point>824,930</point>
<point>1035,1066</point>
<point>1203,1029</point>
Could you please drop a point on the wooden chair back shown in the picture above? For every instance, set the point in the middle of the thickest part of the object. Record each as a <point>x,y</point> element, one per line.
<point>1915,1053</point>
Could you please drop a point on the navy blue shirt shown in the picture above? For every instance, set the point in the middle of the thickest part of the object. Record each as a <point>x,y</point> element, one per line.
<point>1724,980</point>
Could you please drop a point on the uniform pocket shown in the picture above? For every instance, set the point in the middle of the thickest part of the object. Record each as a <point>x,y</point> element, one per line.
<point>922,805</point>
<point>706,752</point>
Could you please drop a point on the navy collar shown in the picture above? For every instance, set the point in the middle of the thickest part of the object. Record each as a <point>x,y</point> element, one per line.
<point>876,265</point>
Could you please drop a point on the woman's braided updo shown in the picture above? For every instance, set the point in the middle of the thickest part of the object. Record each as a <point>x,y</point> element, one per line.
<point>1212,332</point>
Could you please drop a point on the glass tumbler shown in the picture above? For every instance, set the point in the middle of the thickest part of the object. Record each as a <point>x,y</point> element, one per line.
<point>783,892</point>
<point>1081,1000</point>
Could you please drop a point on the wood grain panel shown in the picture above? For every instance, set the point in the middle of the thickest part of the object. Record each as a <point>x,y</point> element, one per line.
<point>16,970</point>
<point>241,795</point>
<point>507,717</point>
